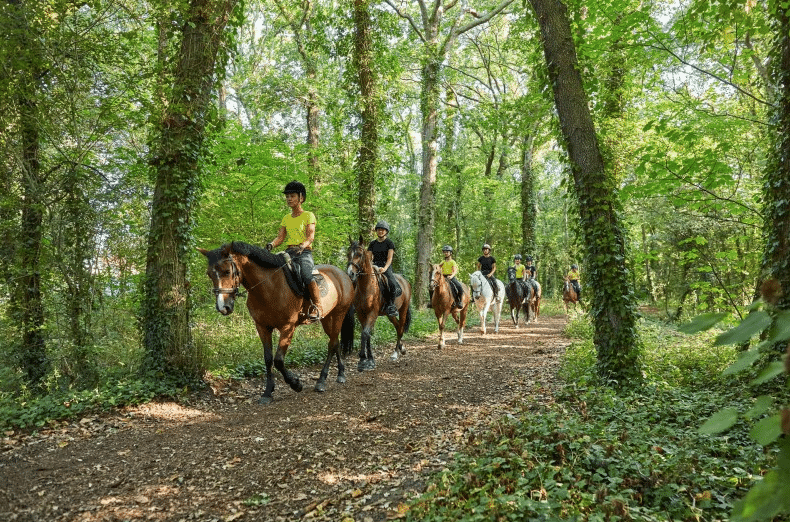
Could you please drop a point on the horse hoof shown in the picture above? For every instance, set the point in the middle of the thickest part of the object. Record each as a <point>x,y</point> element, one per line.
<point>297,386</point>
<point>341,379</point>
<point>264,400</point>
<point>320,387</point>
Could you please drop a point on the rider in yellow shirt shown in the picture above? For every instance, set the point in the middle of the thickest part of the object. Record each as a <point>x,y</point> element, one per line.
<point>575,280</point>
<point>449,271</point>
<point>297,231</point>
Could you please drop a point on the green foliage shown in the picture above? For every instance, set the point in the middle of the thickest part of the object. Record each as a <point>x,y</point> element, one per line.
<point>768,498</point>
<point>36,412</point>
<point>601,454</point>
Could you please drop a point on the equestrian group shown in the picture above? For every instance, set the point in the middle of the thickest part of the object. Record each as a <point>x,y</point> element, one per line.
<point>287,290</point>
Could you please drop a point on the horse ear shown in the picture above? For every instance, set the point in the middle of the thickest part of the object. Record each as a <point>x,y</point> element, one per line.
<point>360,239</point>
<point>203,251</point>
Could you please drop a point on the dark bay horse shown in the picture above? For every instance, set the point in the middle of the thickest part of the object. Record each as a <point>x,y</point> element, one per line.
<point>273,305</point>
<point>369,302</point>
<point>519,296</point>
<point>443,304</point>
<point>569,295</point>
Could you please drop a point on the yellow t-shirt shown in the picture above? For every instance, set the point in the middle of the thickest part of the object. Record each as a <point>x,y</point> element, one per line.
<point>520,271</point>
<point>448,266</point>
<point>574,274</point>
<point>296,227</point>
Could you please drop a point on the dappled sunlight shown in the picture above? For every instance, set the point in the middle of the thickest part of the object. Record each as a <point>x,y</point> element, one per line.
<point>170,411</point>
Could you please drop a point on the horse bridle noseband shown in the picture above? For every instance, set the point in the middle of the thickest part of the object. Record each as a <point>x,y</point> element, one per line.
<point>236,275</point>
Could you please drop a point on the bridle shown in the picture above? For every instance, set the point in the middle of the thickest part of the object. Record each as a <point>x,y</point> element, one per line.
<point>235,275</point>
<point>352,255</point>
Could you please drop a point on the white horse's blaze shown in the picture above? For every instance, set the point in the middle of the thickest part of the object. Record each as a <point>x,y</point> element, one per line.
<point>484,299</point>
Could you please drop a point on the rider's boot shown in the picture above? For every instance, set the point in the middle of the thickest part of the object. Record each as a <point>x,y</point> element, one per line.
<point>312,306</point>
<point>390,309</point>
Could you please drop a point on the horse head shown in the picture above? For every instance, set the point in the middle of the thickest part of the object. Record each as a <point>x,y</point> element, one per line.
<point>476,283</point>
<point>436,276</point>
<point>225,276</point>
<point>356,258</point>
<point>511,274</point>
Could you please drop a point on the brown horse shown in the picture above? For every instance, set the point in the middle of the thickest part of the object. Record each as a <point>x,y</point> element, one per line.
<point>443,304</point>
<point>273,305</point>
<point>569,295</point>
<point>369,302</point>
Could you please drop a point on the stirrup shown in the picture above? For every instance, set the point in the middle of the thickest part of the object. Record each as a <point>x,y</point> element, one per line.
<point>312,315</point>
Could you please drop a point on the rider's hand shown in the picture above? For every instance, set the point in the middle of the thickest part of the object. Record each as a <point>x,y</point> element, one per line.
<point>269,246</point>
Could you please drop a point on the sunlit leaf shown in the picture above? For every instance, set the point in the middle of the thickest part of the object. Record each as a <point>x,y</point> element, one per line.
<point>767,430</point>
<point>745,360</point>
<point>762,404</point>
<point>702,322</point>
<point>773,370</point>
<point>752,325</point>
<point>720,421</point>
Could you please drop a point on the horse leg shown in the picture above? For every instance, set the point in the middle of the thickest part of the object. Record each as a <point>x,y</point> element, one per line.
<point>266,338</point>
<point>286,334</point>
<point>366,361</point>
<point>497,314</point>
<point>441,318</point>
<point>461,320</point>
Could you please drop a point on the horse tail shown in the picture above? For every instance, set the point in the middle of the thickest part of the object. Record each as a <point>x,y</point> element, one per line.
<point>408,319</point>
<point>347,332</point>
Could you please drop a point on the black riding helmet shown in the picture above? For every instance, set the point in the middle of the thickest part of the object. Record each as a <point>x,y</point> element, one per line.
<point>517,256</point>
<point>447,248</point>
<point>383,224</point>
<point>528,258</point>
<point>294,187</point>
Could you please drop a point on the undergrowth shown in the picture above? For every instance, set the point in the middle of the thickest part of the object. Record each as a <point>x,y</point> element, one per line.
<point>598,454</point>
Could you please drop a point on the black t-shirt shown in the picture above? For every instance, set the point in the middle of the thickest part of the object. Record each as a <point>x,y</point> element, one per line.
<point>486,264</point>
<point>380,250</point>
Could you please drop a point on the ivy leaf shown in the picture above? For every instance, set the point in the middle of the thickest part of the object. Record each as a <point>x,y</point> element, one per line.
<point>720,421</point>
<point>753,324</point>
<point>702,323</point>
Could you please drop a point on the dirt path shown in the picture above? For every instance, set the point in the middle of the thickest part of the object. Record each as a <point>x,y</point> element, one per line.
<point>355,453</point>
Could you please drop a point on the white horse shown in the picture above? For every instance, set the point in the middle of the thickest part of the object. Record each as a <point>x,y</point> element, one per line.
<point>483,296</point>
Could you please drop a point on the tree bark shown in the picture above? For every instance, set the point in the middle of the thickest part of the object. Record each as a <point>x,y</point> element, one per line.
<point>367,159</point>
<point>175,158</point>
<point>611,298</point>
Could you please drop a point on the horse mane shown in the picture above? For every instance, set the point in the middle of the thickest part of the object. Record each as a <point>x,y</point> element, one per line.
<point>258,255</point>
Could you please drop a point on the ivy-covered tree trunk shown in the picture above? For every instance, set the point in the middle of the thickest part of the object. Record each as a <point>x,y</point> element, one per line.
<point>175,157</point>
<point>776,185</point>
<point>529,208</point>
<point>608,288</point>
<point>368,151</point>
<point>426,218</point>
<point>26,306</point>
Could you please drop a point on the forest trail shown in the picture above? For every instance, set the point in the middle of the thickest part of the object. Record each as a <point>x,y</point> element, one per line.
<point>357,452</point>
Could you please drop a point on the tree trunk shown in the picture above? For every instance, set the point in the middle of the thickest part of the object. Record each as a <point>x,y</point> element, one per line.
<point>426,219</point>
<point>26,307</point>
<point>175,158</point>
<point>368,152</point>
<point>611,298</point>
<point>529,208</point>
<point>776,185</point>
